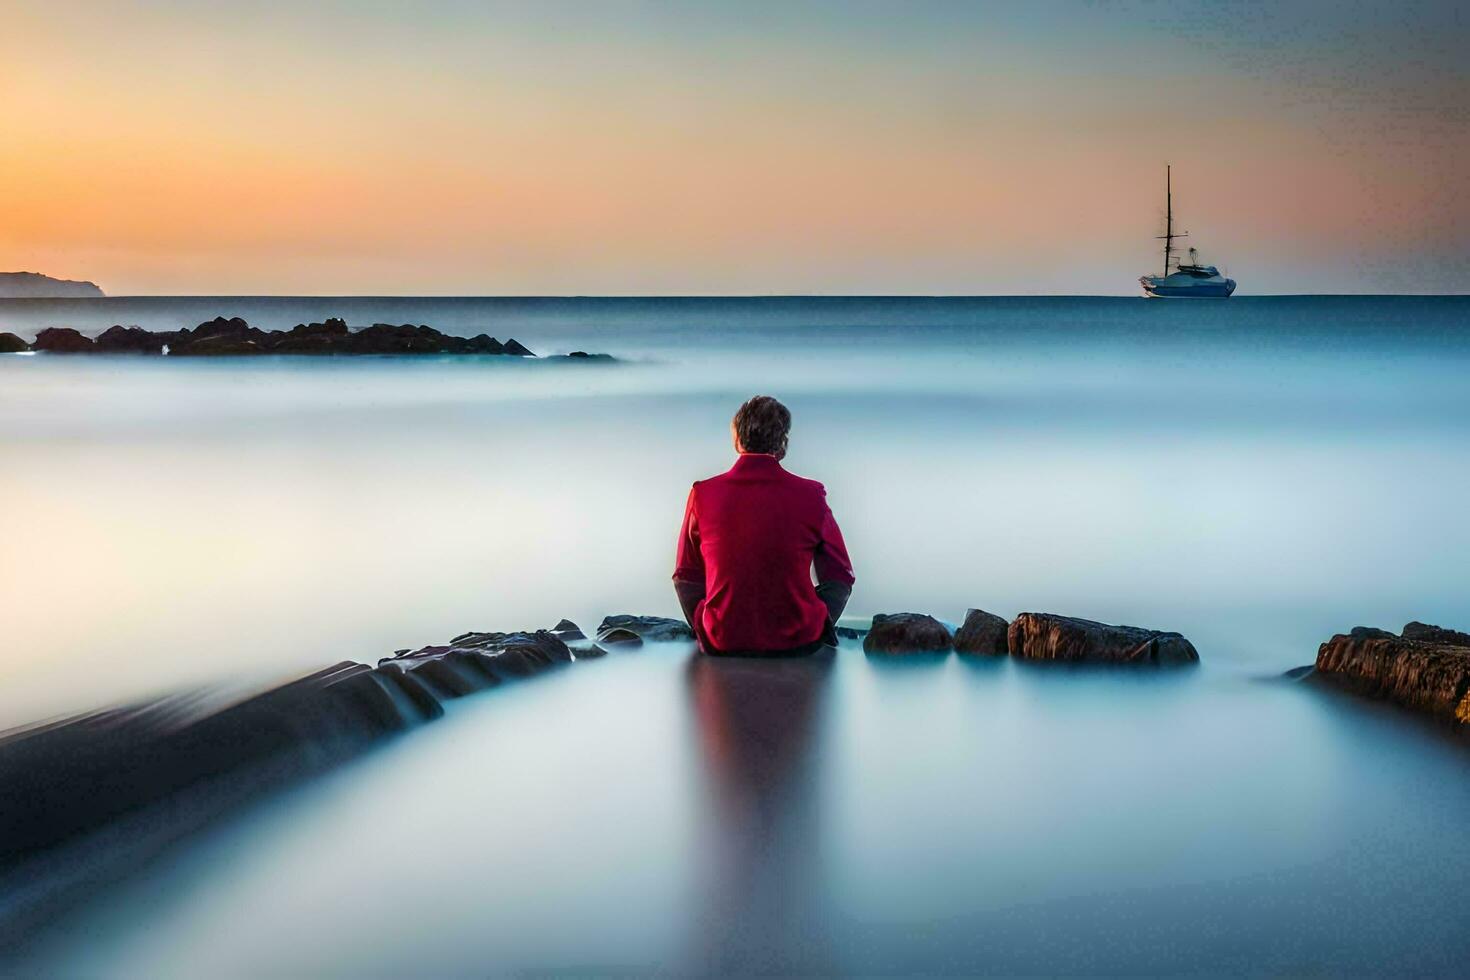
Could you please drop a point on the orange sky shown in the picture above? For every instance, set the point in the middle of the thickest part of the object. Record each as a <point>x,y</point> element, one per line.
<point>525,149</point>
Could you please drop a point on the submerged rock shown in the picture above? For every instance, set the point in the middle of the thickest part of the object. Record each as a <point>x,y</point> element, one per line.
<point>63,340</point>
<point>11,344</point>
<point>1044,636</point>
<point>618,636</point>
<point>982,632</point>
<point>653,628</point>
<point>1427,668</point>
<point>907,633</point>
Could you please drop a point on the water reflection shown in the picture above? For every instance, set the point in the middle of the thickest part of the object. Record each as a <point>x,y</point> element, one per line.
<point>762,908</point>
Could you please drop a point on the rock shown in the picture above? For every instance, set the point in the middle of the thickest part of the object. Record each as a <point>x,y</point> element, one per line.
<point>849,632</point>
<point>385,338</point>
<point>63,340</point>
<point>1043,636</point>
<point>1428,671</point>
<point>907,633</point>
<point>619,637</point>
<point>219,337</point>
<point>233,336</point>
<point>1370,633</point>
<point>1299,673</point>
<point>329,337</point>
<point>653,628</point>
<point>1435,634</point>
<point>484,344</point>
<point>129,340</point>
<point>567,631</point>
<point>982,632</point>
<point>219,346</point>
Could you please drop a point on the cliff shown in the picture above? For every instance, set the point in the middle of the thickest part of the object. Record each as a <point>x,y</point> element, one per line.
<point>33,285</point>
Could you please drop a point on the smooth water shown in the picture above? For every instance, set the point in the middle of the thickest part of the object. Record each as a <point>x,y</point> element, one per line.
<point>1258,474</point>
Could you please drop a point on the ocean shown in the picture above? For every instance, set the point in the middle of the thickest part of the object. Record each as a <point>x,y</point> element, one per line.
<point>1257,473</point>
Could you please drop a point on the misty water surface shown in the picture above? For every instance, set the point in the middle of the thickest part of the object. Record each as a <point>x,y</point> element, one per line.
<point>1257,474</point>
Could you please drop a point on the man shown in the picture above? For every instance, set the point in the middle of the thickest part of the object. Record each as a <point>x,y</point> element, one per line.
<point>750,540</point>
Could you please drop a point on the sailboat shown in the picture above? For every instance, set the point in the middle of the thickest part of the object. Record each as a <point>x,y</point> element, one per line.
<point>1189,280</point>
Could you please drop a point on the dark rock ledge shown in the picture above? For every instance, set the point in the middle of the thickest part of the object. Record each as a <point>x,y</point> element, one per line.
<point>1032,636</point>
<point>234,337</point>
<point>89,798</point>
<point>1424,668</point>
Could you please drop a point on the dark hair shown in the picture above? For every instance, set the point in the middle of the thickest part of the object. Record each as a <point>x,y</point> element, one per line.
<point>762,425</point>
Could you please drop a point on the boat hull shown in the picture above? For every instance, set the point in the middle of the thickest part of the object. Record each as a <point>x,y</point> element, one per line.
<point>1160,287</point>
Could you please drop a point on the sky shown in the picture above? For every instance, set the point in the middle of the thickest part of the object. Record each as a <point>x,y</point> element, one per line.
<point>606,148</point>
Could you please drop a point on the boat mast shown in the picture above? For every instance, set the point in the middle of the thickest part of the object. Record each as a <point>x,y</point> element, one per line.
<point>1168,236</point>
<point>1168,216</point>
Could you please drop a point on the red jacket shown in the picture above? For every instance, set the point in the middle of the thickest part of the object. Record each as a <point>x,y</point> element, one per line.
<point>752,536</point>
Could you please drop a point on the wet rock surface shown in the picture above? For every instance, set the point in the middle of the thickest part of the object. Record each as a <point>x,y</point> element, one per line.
<point>1426,668</point>
<point>11,344</point>
<point>1045,636</point>
<point>898,633</point>
<point>983,633</point>
<point>89,798</point>
<point>234,337</point>
<point>659,628</point>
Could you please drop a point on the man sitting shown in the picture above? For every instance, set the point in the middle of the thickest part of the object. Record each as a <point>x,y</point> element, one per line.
<point>750,540</point>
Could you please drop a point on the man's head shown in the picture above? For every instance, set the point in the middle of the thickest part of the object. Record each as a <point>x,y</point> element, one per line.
<point>761,426</point>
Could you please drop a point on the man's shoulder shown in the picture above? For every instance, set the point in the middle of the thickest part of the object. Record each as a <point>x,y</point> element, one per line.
<point>805,484</point>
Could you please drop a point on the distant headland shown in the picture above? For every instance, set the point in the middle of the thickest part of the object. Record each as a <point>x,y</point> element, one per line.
<point>33,285</point>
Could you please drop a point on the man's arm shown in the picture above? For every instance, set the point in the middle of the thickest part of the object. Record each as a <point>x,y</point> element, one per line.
<point>833,566</point>
<point>689,564</point>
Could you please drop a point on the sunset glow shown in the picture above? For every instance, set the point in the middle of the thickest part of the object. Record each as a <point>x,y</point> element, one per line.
<point>691,149</point>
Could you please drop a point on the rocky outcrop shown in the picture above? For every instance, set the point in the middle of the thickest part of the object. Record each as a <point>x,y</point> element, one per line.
<point>1044,636</point>
<point>907,633</point>
<point>1425,668</point>
<point>234,337</point>
<point>653,628</point>
<point>983,633</point>
<point>33,285</point>
<point>11,344</point>
<point>62,340</point>
<point>108,790</point>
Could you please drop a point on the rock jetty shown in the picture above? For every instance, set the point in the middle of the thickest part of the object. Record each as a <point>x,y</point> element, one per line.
<point>1424,668</point>
<point>93,796</point>
<point>234,337</point>
<point>1031,636</point>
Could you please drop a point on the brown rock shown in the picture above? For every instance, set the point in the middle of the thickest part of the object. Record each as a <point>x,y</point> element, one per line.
<point>907,633</point>
<point>982,632</point>
<point>1418,671</point>
<point>11,344</point>
<point>1044,636</point>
